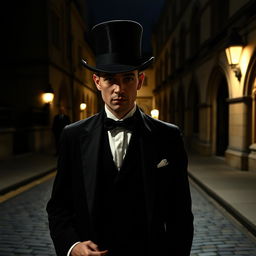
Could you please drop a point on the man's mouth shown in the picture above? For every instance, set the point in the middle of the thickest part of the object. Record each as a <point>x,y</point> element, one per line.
<point>121,99</point>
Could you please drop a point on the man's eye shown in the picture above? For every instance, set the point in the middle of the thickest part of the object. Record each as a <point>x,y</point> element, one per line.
<point>129,79</point>
<point>109,79</point>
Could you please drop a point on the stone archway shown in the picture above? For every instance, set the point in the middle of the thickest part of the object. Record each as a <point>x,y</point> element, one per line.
<point>192,115</point>
<point>218,112</point>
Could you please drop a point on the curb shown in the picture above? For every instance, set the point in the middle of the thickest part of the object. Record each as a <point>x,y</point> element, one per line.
<point>230,209</point>
<point>25,182</point>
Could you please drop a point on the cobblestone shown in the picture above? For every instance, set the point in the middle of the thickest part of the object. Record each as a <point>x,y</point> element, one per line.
<point>215,234</point>
<point>24,227</point>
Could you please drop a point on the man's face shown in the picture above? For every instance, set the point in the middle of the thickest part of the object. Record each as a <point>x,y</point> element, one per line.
<point>119,91</point>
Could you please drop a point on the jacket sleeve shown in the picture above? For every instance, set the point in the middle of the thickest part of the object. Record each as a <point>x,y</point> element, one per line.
<point>60,206</point>
<point>179,222</point>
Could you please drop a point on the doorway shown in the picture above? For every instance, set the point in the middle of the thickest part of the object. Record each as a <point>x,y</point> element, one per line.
<point>222,132</point>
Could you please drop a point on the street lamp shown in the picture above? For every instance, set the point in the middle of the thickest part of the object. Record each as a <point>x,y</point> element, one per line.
<point>82,110</point>
<point>48,95</point>
<point>82,106</point>
<point>155,113</point>
<point>234,50</point>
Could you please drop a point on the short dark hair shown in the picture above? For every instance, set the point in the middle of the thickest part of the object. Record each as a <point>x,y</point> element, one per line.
<point>103,74</point>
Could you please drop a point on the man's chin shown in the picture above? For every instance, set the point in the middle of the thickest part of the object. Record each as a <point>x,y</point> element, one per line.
<point>119,108</point>
<point>119,104</point>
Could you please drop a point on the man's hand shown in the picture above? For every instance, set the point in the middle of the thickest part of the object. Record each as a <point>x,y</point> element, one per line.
<point>87,248</point>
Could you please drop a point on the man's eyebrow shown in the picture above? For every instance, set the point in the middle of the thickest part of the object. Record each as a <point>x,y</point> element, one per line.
<point>129,74</point>
<point>107,75</point>
<point>113,75</point>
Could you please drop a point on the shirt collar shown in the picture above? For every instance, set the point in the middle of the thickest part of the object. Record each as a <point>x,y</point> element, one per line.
<point>112,116</point>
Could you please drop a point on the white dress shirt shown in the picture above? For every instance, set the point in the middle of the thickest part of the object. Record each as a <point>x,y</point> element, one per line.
<point>119,139</point>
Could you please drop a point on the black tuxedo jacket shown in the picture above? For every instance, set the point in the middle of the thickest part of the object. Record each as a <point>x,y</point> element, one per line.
<point>72,207</point>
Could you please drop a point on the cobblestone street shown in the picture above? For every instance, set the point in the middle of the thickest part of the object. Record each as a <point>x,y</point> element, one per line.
<point>215,233</point>
<point>24,228</point>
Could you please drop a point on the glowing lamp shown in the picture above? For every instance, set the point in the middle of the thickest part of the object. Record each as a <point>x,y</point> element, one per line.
<point>82,106</point>
<point>233,54</point>
<point>155,113</point>
<point>48,95</point>
<point>234,50</point>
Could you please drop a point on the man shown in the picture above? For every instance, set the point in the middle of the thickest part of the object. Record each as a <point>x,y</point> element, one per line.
<point>121,188</point>
<point>59,122</point>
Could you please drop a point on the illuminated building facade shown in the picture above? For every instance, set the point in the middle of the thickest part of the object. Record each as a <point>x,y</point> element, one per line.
<point>43,42</point>
<point>213,102</point>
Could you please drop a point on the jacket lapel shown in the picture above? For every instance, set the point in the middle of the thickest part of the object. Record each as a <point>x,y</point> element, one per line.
<point>148,155</point>
<point>90,150</point>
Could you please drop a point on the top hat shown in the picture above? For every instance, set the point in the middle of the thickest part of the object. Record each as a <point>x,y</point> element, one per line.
<point>117,47</point>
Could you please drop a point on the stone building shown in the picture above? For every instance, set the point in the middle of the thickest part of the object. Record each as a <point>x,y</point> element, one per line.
<point>145,99</point>
<point>213,102</point>
<point>43,42</point>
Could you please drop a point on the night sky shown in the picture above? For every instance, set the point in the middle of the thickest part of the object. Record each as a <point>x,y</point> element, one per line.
<point>145,12</point>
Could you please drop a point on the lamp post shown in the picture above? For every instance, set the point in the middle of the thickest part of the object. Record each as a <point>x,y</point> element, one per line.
<point>234,50</point>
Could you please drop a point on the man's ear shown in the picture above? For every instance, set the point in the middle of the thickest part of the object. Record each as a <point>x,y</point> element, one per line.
<point>96,80</point>
<point>141,80</point>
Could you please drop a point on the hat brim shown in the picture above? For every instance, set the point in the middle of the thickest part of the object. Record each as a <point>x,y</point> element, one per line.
<point>118,68</point>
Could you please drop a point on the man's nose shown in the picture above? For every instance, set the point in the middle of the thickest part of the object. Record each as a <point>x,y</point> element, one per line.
<point>118,86</point>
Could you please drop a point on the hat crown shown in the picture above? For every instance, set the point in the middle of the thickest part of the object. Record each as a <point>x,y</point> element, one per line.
<point>117,47</point>
<point>119,38</point>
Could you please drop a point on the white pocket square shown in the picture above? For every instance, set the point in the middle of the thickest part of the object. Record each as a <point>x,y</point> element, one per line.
<point>162,163</point>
